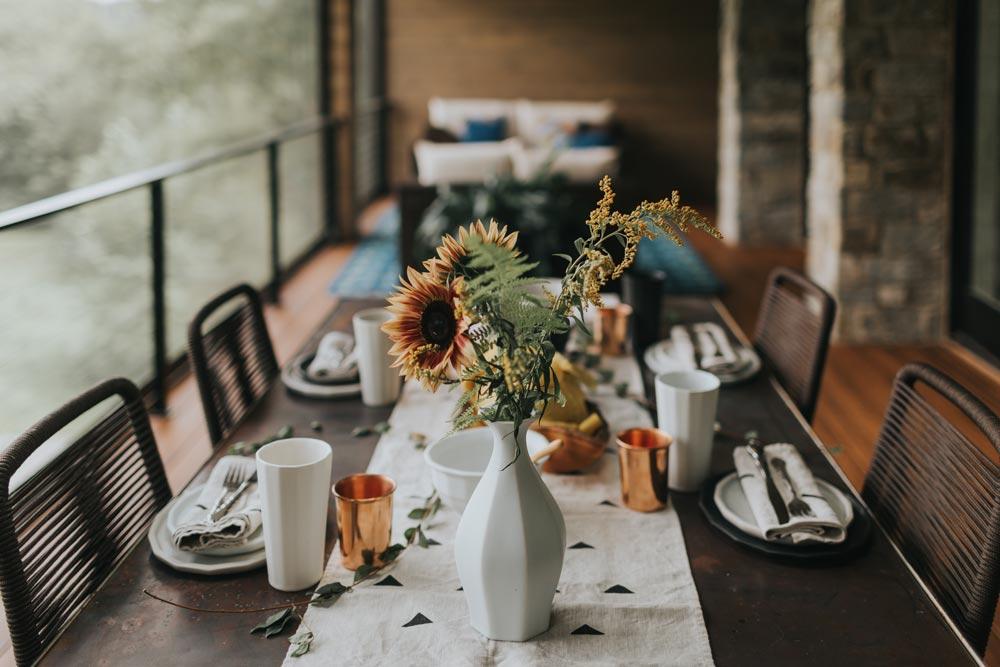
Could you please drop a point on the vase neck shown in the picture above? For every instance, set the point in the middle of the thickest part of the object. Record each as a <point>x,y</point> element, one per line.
<point>505,446</point>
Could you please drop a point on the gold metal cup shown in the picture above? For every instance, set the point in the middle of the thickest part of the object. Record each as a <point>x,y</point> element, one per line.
<point>364,517</point>
<point>642,460</point>
<point>611,329</point>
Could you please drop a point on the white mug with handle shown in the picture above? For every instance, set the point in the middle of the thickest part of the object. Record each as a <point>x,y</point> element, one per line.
<point>379,380</point>
<point>293,477</point>
<point>686,402</point>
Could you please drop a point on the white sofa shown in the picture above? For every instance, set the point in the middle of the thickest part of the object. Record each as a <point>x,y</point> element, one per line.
<point>536,133</point>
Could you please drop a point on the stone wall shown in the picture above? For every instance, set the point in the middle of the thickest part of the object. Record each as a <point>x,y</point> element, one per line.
<point>762,121</point>
<point>878,199</point>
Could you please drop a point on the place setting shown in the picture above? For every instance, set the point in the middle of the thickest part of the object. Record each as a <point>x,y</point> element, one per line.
<point>703,346</point>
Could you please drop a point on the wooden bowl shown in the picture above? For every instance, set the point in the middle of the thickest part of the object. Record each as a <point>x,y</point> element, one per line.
<point>579,450</point>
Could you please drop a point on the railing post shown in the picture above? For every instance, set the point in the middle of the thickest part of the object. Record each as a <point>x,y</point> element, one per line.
<point>274,202</point>
<point>157,247</point>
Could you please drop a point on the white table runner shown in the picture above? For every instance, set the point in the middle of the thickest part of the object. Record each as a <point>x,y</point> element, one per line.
<point>626,595</point>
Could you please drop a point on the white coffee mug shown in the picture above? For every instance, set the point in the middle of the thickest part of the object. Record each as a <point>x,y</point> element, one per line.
<point>293,479</point>
<point>685,408</point>
<point>379,380</point>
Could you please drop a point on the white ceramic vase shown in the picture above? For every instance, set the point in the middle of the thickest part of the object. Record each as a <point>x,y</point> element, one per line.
<point>510,544</point>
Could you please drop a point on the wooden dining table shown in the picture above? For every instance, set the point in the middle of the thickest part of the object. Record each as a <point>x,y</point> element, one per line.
<point>758,611</point>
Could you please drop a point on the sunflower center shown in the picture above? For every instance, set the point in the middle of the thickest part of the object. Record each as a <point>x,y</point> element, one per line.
<point>437,324</point>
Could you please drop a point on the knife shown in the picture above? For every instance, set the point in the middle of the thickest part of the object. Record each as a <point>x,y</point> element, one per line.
<point>754,448</point>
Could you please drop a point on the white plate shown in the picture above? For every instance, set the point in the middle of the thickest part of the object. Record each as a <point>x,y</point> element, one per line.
<point>659,359</point>
<point>161,542</point>
<point>294,381</point>
<point>184,508</point>
<point>733,505</point>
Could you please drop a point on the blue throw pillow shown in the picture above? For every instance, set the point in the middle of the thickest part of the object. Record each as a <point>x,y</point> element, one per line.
<point>589,138</point>
<point>485,130</point>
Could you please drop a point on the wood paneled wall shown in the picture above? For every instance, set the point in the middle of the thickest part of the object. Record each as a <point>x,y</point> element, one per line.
<point>658,59</point>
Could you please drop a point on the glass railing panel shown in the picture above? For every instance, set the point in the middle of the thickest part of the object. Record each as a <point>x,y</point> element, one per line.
<point>301,221</point>
<point>217,234</point>
<point>75,306</point>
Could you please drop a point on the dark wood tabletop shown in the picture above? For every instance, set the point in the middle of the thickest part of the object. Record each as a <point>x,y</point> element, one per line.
<point>871,611</point>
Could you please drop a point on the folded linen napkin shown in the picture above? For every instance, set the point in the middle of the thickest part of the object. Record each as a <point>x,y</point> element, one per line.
<point>232,529</point>
<point>824,526</point>
<point>334,359</point>
<point>682,348</point>
<point>717,354</point>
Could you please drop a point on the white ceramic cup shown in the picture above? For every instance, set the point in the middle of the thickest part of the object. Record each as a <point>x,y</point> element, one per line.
<point>685,408</point>
<point>293,478</point>
<point>379,380</point>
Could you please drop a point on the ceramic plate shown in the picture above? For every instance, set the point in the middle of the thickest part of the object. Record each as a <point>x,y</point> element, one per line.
<point>161,542</point>
<point>659,359</point>
<point>293,380</point>
<point>733,505</point>
<point>184,508</point>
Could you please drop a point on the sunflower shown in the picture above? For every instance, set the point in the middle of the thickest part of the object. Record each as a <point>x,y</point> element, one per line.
<point>429,338</point>
<point>452,250</point>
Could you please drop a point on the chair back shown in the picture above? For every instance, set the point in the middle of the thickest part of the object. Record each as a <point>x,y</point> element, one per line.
<point>793,334</point>
<point>65,527</point>
<point>233,362</point>
<point>937,495</point>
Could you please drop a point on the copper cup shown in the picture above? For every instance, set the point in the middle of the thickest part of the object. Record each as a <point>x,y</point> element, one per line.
<point>364,517</point>
<point>642,460</point>
<point>611,329</point>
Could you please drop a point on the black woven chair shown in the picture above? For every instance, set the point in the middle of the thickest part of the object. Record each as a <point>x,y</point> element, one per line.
<point>938,497</point>
<point>66,528</point>
<point>793,334</point>
<point>233,361</point>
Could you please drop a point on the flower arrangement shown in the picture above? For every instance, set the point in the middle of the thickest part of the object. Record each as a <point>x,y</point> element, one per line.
<point>475,317</point>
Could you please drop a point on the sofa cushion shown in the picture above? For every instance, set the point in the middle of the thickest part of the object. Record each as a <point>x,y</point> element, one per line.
<point>453,114</point>
<point>485,130</point>
<point>472,162</point>
<point>540,123</point>
<point>578,165</point>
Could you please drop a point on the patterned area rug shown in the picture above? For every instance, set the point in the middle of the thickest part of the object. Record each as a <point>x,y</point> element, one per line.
<point>373,267</point>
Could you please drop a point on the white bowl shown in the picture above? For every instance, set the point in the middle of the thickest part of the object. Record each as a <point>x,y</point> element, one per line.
<point>457,462</point>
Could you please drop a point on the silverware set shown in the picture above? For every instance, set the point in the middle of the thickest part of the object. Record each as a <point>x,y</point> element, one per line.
<point>796,507</point>
<point>237,480</point>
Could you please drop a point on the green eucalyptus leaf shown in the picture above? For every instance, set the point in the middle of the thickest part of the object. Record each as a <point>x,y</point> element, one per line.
<point>316,426</point>
<point>621,389</point>
<point>422,539</point>
<point>604,375</point>
<point>392,553</point>
<point>285,431</point>
<point>417,513</point>
<point>381,427</point>
<point>409,534</point>
<point>361,431</point>
<point>326,595</point>
<point>275,623</point>
<point>363,572</point>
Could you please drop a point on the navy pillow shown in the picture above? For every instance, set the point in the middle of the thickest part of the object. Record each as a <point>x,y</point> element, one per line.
<point>588,138</point>
<point>485,130</point>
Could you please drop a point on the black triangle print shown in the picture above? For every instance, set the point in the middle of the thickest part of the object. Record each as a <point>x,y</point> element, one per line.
<point>460,588</point>
<point>608,503</point>
<point>432,542</point>
<point>586,630</point>
<point>581,545</point>
<point>419,619</point>
<point>618,589</point>
<point>388,581</point>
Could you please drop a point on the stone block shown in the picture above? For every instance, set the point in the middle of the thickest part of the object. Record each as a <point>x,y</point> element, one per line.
<point>923,78</point>
<point>910,41</point>
<point>891,295</point>
<point>893,142</point>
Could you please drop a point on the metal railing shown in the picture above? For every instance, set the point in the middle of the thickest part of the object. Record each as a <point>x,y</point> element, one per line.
<point>153,179</point>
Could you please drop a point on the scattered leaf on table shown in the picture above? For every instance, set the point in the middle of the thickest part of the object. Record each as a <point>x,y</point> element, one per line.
<point>422,539</point>
<point>417,513</point>
<point>361,431</point>
<point>275,623</point>
<point>391,553</point>
<point>363,572</point>
<point>381,427</point>
<point>409,533</point>
<point>285,431</point>
<point>302,641</point>
<point>621,389</point>
<point>590,360</point>
<point>326,595</point>
<point>239,448</point>
<point>604,375</point>
<point>316,426</point>
<point>419,440</point>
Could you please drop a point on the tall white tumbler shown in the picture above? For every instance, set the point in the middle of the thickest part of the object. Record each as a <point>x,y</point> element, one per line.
<point>379,380</point>
<point>293,477</point>
<point>685,408</point>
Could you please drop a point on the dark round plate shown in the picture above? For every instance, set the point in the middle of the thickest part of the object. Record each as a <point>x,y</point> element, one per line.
<point>858,534</point>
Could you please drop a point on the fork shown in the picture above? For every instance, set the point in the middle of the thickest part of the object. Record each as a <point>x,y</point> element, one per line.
<point>797,506</point>
<point>235,477</point>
